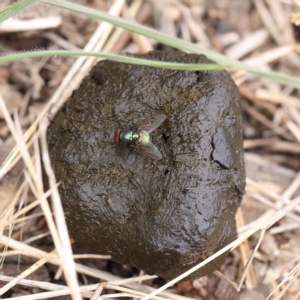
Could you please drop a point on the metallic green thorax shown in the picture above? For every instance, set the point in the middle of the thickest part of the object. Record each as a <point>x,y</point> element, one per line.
<point>127,137</point>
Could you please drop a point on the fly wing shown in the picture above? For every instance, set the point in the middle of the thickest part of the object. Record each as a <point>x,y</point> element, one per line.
<point>149,150</point>
<point>151,123</point>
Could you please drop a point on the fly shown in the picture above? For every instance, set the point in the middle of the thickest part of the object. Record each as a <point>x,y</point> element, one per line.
<point>139,138</point>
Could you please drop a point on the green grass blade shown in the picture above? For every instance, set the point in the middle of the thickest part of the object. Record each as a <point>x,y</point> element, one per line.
<point>119,58</point>
<point>15,8</point>
<point>173,42</point>
<point>279,77</point>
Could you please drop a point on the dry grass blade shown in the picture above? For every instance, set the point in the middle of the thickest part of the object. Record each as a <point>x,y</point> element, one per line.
<point>261,36</point>
<point>278,198</point>
<point>7,213</point>
<point>84,64</point>
<point>267,19</point>
<point>251,259</point>
<point>277,98</point>
<point>46,295</point>
<point>281,213</point>
<point>39,254</point>
<point>97,292</point>
<point>36,24</point>
<point>258,116</point>
<point>57,288</point>
<point>275,206</point>
<point>59,215</point>
<point>271,55</point>
<point>119,295</point>
<point>87,270</point>
<point>295,273</point>
<point>232,283</point>
<point>35,238</point>
<point>30,270</point>
<point>292,188</point>
<point>284,228</point>
<point>39,190</point>
<point>76,256</point>
<point>248,44</point>
<point>132,279</point>
<point>23,210</point>
<point>294,130</point>
<point>21,220</point>
<point>251,224</point>
<point>34,283</point>
<point>142,42</point>
<point>12,160</point>
<point>273,144</point>
<point>249,274</point>
<point>134,292</point>
<point>67,84</point>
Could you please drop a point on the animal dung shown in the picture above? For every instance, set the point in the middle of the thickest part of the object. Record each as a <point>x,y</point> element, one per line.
<point>162,216</point>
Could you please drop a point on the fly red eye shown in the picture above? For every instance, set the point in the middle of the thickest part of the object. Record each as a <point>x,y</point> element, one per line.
<point>117,137</point>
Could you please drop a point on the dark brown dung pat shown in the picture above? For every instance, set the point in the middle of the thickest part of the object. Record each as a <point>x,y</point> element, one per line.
<point>162,216</point>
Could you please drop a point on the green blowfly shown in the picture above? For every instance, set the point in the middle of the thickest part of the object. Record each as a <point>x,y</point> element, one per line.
<point>138,137</point>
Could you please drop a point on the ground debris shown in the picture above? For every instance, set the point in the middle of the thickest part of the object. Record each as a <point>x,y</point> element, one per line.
<point>260,33</point>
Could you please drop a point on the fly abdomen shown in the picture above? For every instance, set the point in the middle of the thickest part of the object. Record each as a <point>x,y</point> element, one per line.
<point>144,138</point>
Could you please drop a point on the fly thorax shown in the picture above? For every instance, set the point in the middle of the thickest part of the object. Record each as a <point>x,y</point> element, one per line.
<point>135,136</point>
<point>126,136</point>
<point>144,137</point>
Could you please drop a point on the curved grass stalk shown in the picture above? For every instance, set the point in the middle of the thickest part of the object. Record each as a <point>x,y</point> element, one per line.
<point>173,42</point>
<point>151,33</point>
<point>15,8</point>
<point>119,58</point>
